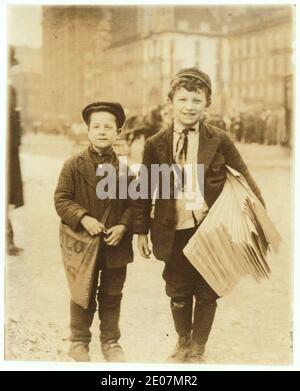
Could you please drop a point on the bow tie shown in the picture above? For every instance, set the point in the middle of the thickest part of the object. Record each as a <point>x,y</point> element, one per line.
<point>186,131</point>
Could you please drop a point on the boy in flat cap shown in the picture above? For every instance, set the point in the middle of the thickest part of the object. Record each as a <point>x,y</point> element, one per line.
<point>189,140</point>
<point>80,207</point>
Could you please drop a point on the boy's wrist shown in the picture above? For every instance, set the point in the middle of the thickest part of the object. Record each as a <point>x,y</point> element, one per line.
<point>85,215</point>
<point>124,227</point>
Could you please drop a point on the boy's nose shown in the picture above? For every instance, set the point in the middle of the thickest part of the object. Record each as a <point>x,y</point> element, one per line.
<point>101,131</point>
<point>189,104</point>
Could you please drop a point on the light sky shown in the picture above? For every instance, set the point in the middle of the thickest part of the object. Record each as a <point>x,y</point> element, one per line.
<point>24,25</point>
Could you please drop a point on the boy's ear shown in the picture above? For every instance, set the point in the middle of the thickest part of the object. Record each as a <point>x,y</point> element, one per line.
<point>119,130</point>
<point>169,105</point>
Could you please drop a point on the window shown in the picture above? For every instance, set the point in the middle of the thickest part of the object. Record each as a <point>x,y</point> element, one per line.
<point>236,76</point>
<point>252,69</point>
<point>252,91</point>
<point>271,65</point>
<point>244,71</point>
<point>244,47</point>
<point>236,48</point>
<point>183,25</point>
<point>254,42</point>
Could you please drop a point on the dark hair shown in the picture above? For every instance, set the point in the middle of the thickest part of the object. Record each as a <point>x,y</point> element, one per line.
<point>190,84</point>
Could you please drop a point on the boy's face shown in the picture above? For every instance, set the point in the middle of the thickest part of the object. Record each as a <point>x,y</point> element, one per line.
<point>103,129</point>
<point>188,106</point>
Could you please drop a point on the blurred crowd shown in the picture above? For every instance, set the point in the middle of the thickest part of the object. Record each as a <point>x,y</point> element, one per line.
<point>264,127</point>
<point>269,126</point>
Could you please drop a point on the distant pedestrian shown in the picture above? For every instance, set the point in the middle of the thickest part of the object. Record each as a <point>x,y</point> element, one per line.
<point>281,134</point>
<point>237,127</point>
<point>15,184</point>
<point>271,128</point>
<point>250,129</point>
<point>260,125</point>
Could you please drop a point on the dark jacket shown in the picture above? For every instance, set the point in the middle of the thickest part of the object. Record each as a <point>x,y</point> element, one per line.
<point>75,196</point>
<point>215,151</point>
<point>15,184</point>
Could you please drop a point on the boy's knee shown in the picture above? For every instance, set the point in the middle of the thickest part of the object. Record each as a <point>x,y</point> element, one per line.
<point>109,301</point>
<point>178,303</point>
<point>208,301</point>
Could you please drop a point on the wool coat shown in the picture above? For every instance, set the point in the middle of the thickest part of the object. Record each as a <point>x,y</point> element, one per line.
<point>14,175</point>
<point>75,196</point>
<point>215,151</point>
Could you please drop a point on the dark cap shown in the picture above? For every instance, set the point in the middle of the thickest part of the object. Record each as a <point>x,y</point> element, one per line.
<point>196,73</point>
<point>114,108</point>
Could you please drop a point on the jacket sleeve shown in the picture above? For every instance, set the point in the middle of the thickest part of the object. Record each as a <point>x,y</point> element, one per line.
<point>69,211</point>
<point>234,160</point>
<point>142,207</point>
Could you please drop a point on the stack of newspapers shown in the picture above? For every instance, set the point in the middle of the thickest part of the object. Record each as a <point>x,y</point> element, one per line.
<point>234,239</point>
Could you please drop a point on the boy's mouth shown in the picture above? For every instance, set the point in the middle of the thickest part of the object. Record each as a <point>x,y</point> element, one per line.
<point>189,114</point>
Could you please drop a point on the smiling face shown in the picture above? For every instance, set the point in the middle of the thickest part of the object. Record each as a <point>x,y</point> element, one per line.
<point>188,106</point>
<point>103,130</point>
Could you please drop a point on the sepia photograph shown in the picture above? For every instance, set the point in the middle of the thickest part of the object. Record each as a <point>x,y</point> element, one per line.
<point>149,183</point>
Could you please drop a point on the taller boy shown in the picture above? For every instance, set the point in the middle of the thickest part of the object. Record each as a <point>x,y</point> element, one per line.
<point>188,140</point>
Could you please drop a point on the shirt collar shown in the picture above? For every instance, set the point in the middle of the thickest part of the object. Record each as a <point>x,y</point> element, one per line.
<point>106,151</point>
<point>179,128</point>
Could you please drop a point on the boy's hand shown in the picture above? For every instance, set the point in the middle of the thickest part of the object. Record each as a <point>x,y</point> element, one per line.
<point>114,234</point>
<point>92,225</point>
<point>143,247</point>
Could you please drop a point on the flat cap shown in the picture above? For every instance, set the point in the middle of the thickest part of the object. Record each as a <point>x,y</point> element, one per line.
<point>196,73</point>
<point>114,108</point>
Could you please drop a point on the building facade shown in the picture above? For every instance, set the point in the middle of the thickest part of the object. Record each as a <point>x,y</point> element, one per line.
<point>27,79</point>
<point>69,33</point>
<point>137,68</point>
<point>130,54</point>
<point>261,53</point>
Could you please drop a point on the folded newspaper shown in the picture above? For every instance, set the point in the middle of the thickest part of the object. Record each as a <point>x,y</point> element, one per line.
<point>234,239</point>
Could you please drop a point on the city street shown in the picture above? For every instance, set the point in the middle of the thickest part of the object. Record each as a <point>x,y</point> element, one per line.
<point>252,326</point>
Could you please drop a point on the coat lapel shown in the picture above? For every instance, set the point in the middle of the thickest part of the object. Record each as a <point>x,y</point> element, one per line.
<point>164,150</point>
<point>87,169</point>
<point>164,147</point>
<point>207,147</point>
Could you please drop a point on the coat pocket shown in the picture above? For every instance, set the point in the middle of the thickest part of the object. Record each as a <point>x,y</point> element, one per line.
<point>218,163</point>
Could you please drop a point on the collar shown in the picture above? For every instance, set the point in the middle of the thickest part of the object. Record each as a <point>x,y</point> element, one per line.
<point>179,128</point>
<point>105,152</point>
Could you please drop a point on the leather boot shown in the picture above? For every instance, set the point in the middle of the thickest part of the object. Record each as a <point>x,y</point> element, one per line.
<point>79,351</point>
<point>112,351</point>
<point>196,353</point>
<point>181,350</point>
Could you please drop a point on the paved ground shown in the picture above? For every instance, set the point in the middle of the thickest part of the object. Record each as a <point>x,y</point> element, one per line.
<point>252,325</point>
